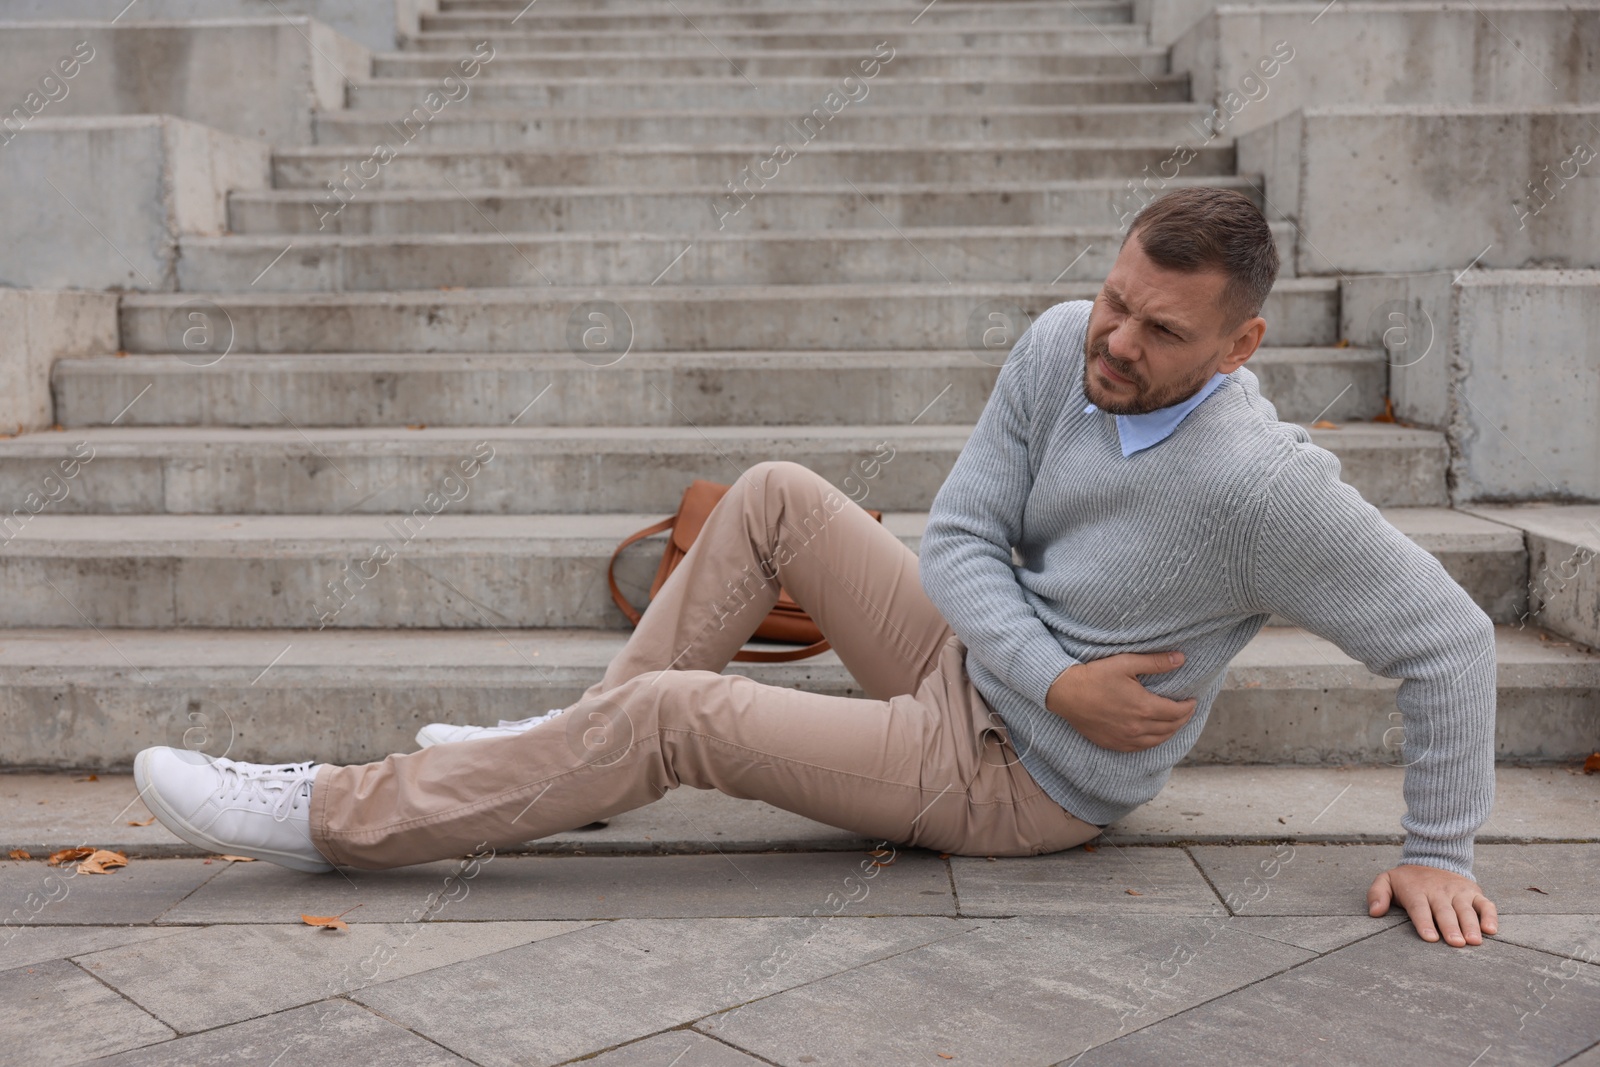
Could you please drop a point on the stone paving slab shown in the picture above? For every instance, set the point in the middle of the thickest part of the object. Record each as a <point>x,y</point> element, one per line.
<point>55,1013</point>
<point>615,982</point>
<point>1319,933</point>
<point>1200,805</point>
<point>1022,991</point>
<point>584,887</point>
<point>139,893</point>
<point>1574,936</point>
<point>216,975</point>
<point>23,945</point>
<point>1390,995</point>
<point>247,893</point>
<point>678,1048</point>
<point>1333,879</point>
<point>313,1036</point>
<point>1108,881</point>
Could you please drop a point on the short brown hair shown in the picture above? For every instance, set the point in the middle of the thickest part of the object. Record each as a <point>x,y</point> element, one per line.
<point>1213,229</point>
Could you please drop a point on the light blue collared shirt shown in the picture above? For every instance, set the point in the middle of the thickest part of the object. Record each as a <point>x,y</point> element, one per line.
<point>1141,431</point>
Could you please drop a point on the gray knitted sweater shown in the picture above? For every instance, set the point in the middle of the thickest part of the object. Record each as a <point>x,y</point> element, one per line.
<point>1190,545</point>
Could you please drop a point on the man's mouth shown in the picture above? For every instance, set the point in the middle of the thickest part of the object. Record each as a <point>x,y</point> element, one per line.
<point>1105,368</point>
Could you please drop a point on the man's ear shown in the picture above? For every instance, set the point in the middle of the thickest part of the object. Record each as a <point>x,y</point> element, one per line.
<point>1246,339</point>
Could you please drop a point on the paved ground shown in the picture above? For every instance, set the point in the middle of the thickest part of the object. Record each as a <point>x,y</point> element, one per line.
<point>1129,954</point>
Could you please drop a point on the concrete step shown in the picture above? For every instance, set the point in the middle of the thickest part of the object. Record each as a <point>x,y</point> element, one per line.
<point>645,209</point>
<point>74,698</point>
<point>674,166</point>
<point>553,470</point>
<point>799,93</point>
<point>661,319</point>
<point>881,253</point>
<point>1563,588</point>
<point>513,128</point>
<point>890,8</point>
<point>648,318</point>
<point>760,65</point>
<point>646,389</point>
<point>453,570</point>
<point>858,42</point>
<point>723,18</point>
<point>1200,804</point>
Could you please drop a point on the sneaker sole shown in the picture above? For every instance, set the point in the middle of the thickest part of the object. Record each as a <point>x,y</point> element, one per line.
<point>199,839</point>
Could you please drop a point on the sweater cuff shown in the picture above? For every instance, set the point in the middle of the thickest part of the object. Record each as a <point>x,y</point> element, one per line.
<point>1032,673</point>
<point>1454,856</point>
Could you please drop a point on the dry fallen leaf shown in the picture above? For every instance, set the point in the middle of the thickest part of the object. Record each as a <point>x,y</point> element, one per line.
<point>1133,892</point>
<point>102,862</point>
<point>91,778</point>
<point>329,922</point>
<point>20,854</point>
<point>1536,889</point>
<point>1090,848</point>
<point>142,822</point>
<point>1324,424</point>
<point>416,426</point>
<point>1388,411</point>
<point>1592,764</point>
<point>1344,342</point>
<point>237,859</point>
<point>946,1056</point>
<point>69,855</point>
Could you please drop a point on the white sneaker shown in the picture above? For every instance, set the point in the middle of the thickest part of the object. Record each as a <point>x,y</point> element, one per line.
<point>439,733</point>
<point>222,805</point>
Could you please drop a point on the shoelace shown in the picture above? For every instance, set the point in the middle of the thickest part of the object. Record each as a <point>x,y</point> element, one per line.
<point>532,720</point>
<point>279,784</point>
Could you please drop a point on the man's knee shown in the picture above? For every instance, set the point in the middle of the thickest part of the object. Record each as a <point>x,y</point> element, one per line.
<point>787,474</point>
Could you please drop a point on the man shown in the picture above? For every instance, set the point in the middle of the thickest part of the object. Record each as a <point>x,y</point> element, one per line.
<point>1161,514</point>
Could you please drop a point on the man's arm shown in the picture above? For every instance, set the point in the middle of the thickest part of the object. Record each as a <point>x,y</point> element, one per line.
<point>965,559</point>
<point>1326,559</point>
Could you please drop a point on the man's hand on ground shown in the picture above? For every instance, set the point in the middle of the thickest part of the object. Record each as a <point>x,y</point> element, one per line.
<point>1437,900</point>
<point>1105,702</point>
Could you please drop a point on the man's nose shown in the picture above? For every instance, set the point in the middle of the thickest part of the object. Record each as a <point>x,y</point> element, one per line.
<point>1121,343</point>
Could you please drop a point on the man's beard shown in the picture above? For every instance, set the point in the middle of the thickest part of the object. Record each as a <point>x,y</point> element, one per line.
<point>1145,400</point>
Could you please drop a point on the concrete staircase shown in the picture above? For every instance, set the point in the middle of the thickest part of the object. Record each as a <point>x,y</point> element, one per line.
<point>357,477</point>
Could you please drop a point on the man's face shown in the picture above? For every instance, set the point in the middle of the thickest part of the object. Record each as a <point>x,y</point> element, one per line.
<point>1157,335</point>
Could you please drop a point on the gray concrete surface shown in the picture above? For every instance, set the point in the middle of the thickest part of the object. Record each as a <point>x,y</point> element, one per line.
<point>374,24</point>
<point>645,389</point>
<point>38,328</point>
<point>1563,542</point>
<point>1523,361</point>
<point>109,198</point>
<point>78,698</point>
<point>1201,804</point>
<point>1387,52</point>
<point>1303,311</point>
<point>260,78</point>
<point>1364,201</point>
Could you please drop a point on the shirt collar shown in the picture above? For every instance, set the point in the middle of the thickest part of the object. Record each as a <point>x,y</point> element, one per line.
<point>1138,432</point>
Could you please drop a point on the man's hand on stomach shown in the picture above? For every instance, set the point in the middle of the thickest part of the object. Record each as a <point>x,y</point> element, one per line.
<point>1105,701</point>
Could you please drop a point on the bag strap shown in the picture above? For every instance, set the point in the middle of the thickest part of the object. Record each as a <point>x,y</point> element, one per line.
<point>616,592</point>
<point>752,655</point>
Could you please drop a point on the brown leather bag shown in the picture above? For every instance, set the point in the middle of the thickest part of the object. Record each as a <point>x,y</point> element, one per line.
<point>787,621</point>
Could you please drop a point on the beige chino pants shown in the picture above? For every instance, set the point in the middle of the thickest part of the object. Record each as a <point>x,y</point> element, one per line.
<point>921,760</point>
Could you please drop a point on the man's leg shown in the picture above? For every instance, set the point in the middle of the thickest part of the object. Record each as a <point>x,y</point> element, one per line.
<point>920,762</point>
<point>782,524</point>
